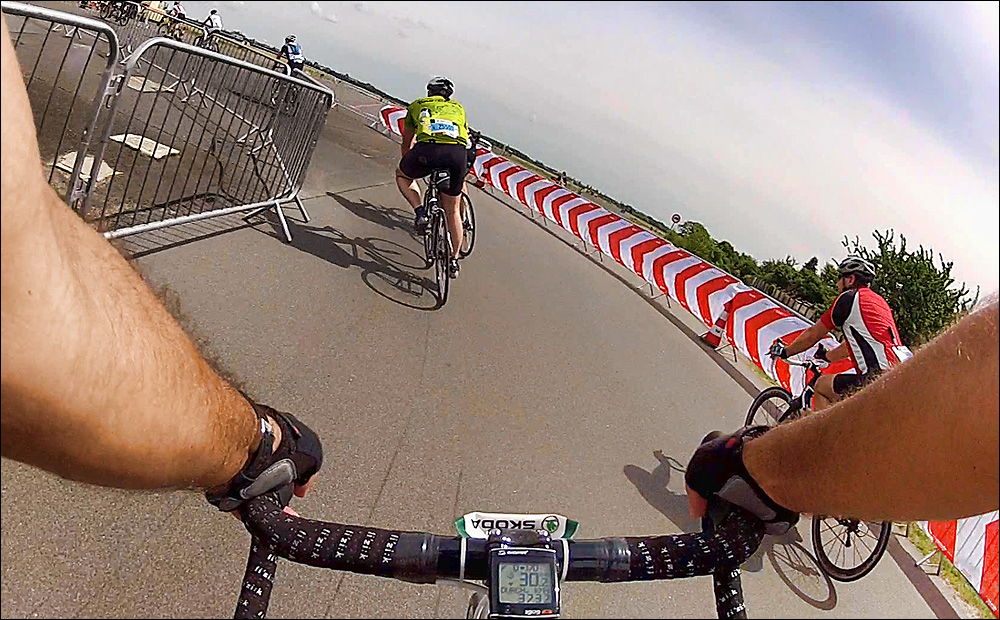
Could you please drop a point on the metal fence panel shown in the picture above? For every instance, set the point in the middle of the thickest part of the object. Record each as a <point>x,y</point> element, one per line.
<point>67,63</point>
<point>135,24</point>
<point>196,134</point>
<point>225,44</point>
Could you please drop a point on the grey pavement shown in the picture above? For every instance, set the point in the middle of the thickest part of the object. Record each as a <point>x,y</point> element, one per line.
<point>544,385</point>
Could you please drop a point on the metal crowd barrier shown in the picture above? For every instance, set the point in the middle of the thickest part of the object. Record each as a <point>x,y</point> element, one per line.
<point>225,44</point>
<point>67,63</point>
<point>144,23</point>
<point>195,134</point>
<point>187,133</point>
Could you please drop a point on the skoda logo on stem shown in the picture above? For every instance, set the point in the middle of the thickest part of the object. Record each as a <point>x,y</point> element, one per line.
<point>551,524</point>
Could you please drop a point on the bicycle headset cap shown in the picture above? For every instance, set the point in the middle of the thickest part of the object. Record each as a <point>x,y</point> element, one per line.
<point>440,86</point>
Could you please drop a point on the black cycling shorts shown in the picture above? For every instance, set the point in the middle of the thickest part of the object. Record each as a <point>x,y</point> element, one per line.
<point>425,157</point>
<point>846,383</point>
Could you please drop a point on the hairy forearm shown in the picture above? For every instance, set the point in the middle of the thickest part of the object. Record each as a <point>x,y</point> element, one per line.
<point>99,383</point>
<point>100,377</point>
<point>919,443</point>
<point>806,339</point>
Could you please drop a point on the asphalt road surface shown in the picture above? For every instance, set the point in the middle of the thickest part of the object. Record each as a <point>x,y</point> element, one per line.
<point>544,385</point>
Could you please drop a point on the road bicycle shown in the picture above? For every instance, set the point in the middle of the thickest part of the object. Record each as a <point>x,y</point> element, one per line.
<point>846,549</point>
<point>514,564</point>
<point>437,240</point>
<point>207,41</point>
<point>171,27</point>
<point>120,12</point>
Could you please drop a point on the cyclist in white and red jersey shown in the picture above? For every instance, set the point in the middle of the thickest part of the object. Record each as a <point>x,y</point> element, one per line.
<point>871,339</point>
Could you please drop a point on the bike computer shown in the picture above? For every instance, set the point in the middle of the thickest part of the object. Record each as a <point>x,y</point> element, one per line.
<point>523,574</point>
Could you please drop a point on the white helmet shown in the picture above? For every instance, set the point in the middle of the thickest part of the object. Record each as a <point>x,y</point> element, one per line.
<point>441,86</point>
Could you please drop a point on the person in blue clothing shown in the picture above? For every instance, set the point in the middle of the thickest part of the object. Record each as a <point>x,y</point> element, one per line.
<point>292,52</point>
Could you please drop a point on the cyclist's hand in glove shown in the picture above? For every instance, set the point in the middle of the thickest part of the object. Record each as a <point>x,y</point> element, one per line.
<point>286,467</point>
<point>778,350</point>
<point>821,353</point>
<point>717,469</point>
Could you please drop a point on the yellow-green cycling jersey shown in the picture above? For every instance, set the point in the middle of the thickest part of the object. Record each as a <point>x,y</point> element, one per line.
<point>438,120</point>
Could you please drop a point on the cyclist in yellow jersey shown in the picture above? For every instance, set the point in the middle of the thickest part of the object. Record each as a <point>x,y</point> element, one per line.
<point>435,135</point>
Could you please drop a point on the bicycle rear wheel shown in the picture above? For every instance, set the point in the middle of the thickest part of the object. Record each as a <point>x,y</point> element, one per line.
<point>468,226</point>
<point>848,549</point>
<point>442,252</point>
<point>428,235</point>
<point>770,406</point>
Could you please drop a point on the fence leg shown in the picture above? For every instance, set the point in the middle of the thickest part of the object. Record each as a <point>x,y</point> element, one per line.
<point>656,294</point>
<point>302,208</point>
<point>284,222</point>
<point>936,552</point>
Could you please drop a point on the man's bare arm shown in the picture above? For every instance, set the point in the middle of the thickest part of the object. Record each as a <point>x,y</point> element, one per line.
<point>100,384</point>
<point>808,338</point>
<point>919,443</point>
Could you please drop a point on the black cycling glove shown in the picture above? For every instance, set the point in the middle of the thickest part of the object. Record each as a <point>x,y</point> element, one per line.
<point>778,350</point>
<point>297,458</point>
<point>716,468</point>
<point>821,353</point>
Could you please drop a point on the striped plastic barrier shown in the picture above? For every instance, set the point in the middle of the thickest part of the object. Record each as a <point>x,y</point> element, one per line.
<point>704,290</point>
<point>971,545</point>
<point>747,318</point>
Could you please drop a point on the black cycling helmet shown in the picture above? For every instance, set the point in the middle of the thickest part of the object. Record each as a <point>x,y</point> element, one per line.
<point>213,11</point>
<point>441,86</point>
<point>858,267</point>
<point>290,38</point>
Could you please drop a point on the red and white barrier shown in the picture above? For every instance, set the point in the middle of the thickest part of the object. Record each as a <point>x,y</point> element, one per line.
<point>754,321</point>
<point>971,545</point>
<point>747,318</point>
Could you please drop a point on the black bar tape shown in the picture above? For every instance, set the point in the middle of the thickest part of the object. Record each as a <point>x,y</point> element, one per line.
<point>421,557</point>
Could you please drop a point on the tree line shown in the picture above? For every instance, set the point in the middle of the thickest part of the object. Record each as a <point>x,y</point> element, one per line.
<point>920,290</point>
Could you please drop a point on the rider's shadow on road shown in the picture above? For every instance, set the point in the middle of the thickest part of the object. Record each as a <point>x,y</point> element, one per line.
<point>386,217</point>
<point>793,563</point>
<point>386,267</point>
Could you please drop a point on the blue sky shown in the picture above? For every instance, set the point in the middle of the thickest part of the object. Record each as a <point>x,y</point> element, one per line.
<point>781,126</point>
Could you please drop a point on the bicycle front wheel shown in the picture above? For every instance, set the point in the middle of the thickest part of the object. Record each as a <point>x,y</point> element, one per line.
<point>770,407</point>
<point>848,549</point>
<point>468,226</point>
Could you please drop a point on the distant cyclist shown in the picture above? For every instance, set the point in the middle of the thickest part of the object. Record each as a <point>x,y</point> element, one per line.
<point>292,52</point>
<point>213,21</point>
<point>178,11</point>
<point>435,135</point>
<point>871,339</point>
